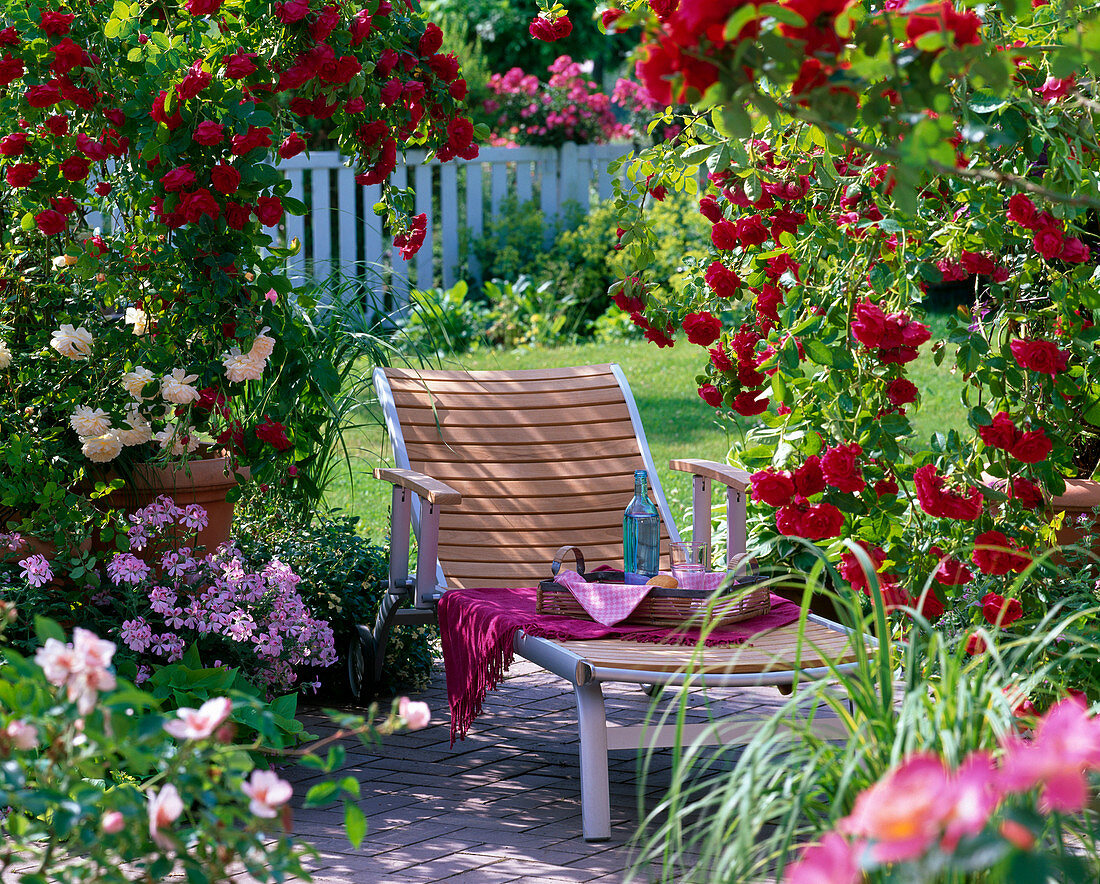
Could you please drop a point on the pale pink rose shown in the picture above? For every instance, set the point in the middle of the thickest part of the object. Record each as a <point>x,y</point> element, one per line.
<point>267,792</point>
<point>101,449</point>
<point>165,807</point>
<point>198,724</point>
<point>1066,745</point>
<point>135,381</point>
<point>242,366</point>
<point>96,652</point>
<point>178,389</point>
<point>904,812</point>
<point>112,823</point>
<point>58,660</point>
<point>263,346</point>
<point>21,734</point>
<point>830,861</point>
<point>415,714</point>
<point>90,422</point>
<point>75,343</point>
<point>5,356</point>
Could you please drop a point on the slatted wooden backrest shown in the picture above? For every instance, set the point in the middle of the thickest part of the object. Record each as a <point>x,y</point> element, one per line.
<point>542,459</point>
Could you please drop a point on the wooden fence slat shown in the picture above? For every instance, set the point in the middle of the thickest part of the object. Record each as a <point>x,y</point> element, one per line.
<point>498,187</point>
<point>568,174</point>
<point>603,185</point>
<point>474,222</point>
<point>348,242</point>
<point>295,229</point>
<point>523,183</point>
<point>547,171</point>
<point>448,219</point>
<point>425,277</point>
<point>399,279</point>
<point>320,216</point>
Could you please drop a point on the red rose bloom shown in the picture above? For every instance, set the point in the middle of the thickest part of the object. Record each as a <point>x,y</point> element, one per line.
<point>1022,211</point>
<point>158,113</point>
<point>1031,447</point>
<point>751,231</point>
<point>950,571</point>
<point>901,391</point>
<point>92,149</point>
<point>240,65</point>
<point>444,66</point>
<point>609,16</point>
<point>749,402</point>
<point>773,487</point>
<point>720,359</point>
<point>274,434</point>
<point>460,133</point>
<point>1025,492</point>
<point>291,11</point>
<point>324,24</point>
<point>225,178</point>
<point>702,328</point>
<point>721,280</point>
<point>711,395</point>
<point>56,24</point>
<point>208,133</point>
<point>11,69</point>
<point>75,168</point>
<point>14,145</point>
<point>431,40</point>
<point>1040,356</point>
<point>549,30</point>
<point>886,486</point>
<point>1002,433</point>
<point>1074,251</point>
<point>42,95</point>
<point>1048,242</point>
<point>178,179</point>
<point>292,145</point>
<point>203,7</point>
<point>814,521</point>
<point>236,215</point>
<point>21,174</point>
<point>975,645</point>
<point>50,222</point>
<point>999,611</point>
<point>724,235</point>
<point>936,17</point>
<point>947,504</point>
<point>198,204</point>
<point>809,479</point>
<point>709,209</point>
<point>269,209</point>
<point>193,82</point>
<point>852,570</point>
<point>995,554</point>
<point>840,466</point>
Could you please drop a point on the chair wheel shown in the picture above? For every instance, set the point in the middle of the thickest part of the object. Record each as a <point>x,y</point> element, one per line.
<point>361,664</point>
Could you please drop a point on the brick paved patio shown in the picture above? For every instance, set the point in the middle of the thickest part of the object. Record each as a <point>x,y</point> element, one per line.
<point>503,805</point>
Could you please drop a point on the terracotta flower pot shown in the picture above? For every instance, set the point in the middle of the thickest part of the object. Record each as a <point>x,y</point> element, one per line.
<point>1079,499</point>
<point>207,485</point>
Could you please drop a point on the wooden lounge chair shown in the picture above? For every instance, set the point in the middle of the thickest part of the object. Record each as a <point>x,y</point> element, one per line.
<point>497,470</point>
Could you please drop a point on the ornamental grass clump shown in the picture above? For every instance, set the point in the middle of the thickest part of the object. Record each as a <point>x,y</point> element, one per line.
<point>145,307</point>
<point>168,596</point>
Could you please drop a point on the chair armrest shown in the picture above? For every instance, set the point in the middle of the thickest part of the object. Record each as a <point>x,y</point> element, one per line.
<point>431,490</point>
<point>710,469</point>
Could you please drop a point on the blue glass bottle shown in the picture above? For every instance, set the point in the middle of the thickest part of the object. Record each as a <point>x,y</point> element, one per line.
<point>641,531</point>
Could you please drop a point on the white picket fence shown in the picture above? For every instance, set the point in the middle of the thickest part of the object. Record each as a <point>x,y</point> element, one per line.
<point>343,240</point>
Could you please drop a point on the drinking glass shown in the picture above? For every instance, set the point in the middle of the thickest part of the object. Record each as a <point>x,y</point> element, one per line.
<point>690,563</point>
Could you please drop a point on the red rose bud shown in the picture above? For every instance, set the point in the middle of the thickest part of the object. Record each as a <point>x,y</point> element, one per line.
<point>711,395</point>
<point>975,645</point>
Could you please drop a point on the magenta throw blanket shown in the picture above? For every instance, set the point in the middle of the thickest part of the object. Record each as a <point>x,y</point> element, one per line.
<point>478,626</point>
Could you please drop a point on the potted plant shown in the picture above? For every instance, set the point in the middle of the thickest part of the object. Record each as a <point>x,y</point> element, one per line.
<point>144,308</point>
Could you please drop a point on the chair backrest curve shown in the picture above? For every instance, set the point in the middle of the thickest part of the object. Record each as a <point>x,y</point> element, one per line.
<point>542,459</point>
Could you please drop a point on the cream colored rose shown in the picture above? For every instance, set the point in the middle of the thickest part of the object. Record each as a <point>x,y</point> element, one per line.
<point>100,449</point>
<point>135,381</point>
<point>63,261</point>
<point>139,319</point>
<point>263,345</point>
<point>5,356</point>
<point>176,440</point>
<point>140,429</point>
<point>176,387</point>
<point>76,343</point>
<point>90,422</point>
<point>242,366</point>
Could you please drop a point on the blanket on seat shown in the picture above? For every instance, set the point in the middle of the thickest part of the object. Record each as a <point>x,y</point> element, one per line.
<point>478,628</point>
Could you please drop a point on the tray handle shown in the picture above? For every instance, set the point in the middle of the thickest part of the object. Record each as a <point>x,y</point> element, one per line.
<point>560,555</point>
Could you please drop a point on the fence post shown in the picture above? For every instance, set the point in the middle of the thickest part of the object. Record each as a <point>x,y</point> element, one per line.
<point>425,275</point>
<point>448,219</point>
<point>474,222</point>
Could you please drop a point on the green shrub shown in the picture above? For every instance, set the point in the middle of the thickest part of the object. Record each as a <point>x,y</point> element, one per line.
<point>343,579</point>
<point>442,321</point>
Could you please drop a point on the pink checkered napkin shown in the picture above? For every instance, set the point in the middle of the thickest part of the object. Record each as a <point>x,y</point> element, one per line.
<point>606,603</point>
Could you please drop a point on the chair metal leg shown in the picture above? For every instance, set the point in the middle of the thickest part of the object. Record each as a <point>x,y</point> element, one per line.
<point>387,613</point>
<point>595,795</point>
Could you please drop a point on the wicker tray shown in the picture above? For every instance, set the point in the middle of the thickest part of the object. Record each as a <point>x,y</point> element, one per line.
<point>742,600</point>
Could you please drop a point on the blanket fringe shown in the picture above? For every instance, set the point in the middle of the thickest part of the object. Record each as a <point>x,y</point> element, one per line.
<point>499,657</point>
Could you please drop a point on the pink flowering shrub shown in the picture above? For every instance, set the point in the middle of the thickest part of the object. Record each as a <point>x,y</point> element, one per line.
<point>567,107</point>
<point>97,780</point>
<point>168,596</point>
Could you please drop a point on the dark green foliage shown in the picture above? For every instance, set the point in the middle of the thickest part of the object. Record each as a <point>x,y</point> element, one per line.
<point>343,578</point>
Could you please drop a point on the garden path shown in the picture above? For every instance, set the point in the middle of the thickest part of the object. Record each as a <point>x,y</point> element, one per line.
<point>501,806</point>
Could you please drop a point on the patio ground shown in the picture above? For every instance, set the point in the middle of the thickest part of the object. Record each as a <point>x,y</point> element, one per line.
<point>502,805</point>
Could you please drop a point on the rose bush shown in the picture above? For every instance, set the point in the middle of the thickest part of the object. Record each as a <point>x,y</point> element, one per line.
<point>853,156</point>
<point>169,322</point>
<point>99,784</point>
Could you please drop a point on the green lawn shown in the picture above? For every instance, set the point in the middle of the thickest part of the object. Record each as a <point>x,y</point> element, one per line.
<point>677,422</point>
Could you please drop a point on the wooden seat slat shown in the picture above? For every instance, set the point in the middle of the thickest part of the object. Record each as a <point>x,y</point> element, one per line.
<point>482,418</point>
<point>528,461</point>
<point>585,400</point>
<point>455,436</point>
<point>552,503</point>
<point>537,524</point>
<point>520,376</point>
